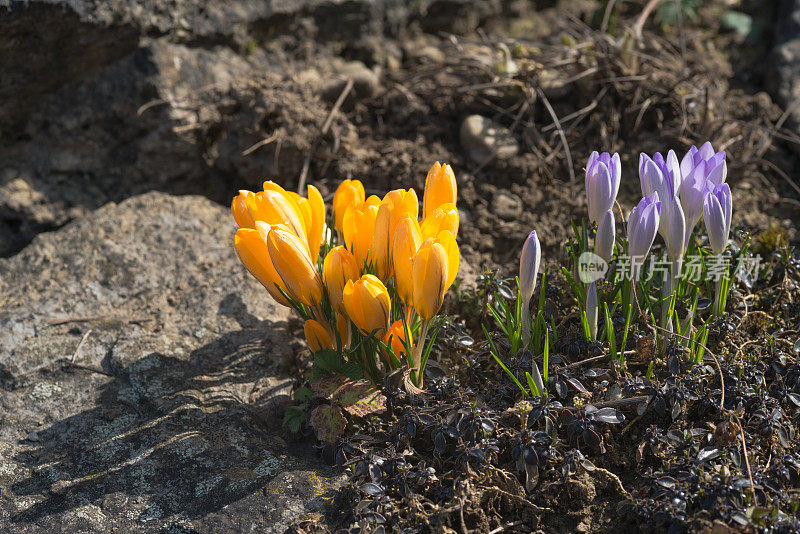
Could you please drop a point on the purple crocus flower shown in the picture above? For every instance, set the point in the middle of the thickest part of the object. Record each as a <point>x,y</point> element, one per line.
<point>717,211</point>
<point>664,177</point>
<point>698,167</point>
<point>643,224</point>
<point>603,172</point>
<point>606,235</point>
<point>529,262</point>
<point>660,176</point>
<point>716,167</point>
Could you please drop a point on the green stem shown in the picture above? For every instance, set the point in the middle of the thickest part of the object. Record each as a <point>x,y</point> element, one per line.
<point>717,294</point>
<point>418,348</point>
<point>526,322</point>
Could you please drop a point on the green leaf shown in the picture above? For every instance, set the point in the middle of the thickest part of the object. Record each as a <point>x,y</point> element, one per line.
<point>327,362</point>
<point>303,394</point>
<point>496,357</point>
<point>294,417</point>
<point>428,349</point>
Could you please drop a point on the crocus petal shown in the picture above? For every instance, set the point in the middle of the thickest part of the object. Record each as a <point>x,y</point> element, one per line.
<point>604,243</point>
<point>714,217</point>
<point>599,191</point>
<point>529,261</point>
<point>688,162</point>
<point>706,151</point>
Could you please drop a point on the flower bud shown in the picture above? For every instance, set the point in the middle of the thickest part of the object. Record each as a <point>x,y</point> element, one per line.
<point>445,217</point>
<point>395,337</point>
<point>395,205</point>
<point>339,267</point>
<point>606,236</point>
<point>440,188</point>
<point>317,336</point>
<point>429,279</point>
<point>349,193</point>
<point>239,210</point>
<point>448,242</point>
<point>251,247</point>
<point>674,224</point>
<point>407,241</point>
<point>368,304</point>
<point>290,257</point>
<point>359,229</point>
<point>643,223</point>
<point>717,212</point>
<point>529,261</point>
<point>603,172</point>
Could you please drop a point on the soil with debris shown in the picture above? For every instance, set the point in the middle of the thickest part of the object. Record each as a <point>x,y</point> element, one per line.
<point>105,103</point>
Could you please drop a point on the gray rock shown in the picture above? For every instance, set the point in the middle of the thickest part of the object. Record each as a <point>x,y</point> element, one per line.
<point>506,206</point>
<point>784,74</point>
<point>482,138</point>
<point>167,117</point>
<point>170,416</point>
<point>366,83</point>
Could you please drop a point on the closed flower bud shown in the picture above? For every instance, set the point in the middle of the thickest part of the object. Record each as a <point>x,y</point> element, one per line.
<point>317,336</point>
<point>429,279</point>
<point>240,212</point>
<point>717,212</point>
<point>674,224</point>
<point>395,337</point>
<point>603,172</point>
<point>643,223</point>
<point>395,206</point>
<point>529,261</point>
<point>349,193</point>
<point>407,241</point>
<point>445,217</point>
<point>606,235</point>
<point>359,229</point>
<point>663,177</point>
<point>368,304</point>
<point>440,188</point>
<point>339,267</point>
<point>251,247</point>
<point>448,242</point>
<point>298,273</point>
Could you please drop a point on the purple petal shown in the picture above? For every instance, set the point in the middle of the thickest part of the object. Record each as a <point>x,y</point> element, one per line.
<point>706,151</point>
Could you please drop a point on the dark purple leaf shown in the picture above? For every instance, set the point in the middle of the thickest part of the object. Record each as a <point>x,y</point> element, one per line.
<point>708,453</point>
<point>608,415</point>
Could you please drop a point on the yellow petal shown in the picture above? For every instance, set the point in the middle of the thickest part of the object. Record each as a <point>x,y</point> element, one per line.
<point>440,188</point>
<point>407,241</point>
<point>290,257</point>
<point>446,239</point>
<point>338,268</point>
<point>430,279</point>
<point>317,336</point>
<point>317,226</point>
<point>252,250</point>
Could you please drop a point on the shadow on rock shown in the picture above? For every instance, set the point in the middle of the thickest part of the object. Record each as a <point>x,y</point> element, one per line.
<point>172,435</point>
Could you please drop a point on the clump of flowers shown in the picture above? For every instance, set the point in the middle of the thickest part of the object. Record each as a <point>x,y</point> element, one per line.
<point>369,292</point>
